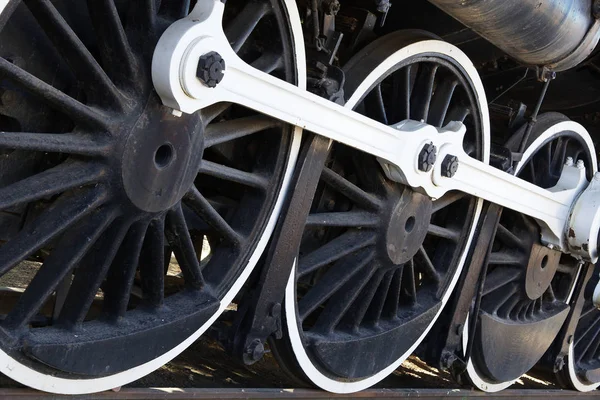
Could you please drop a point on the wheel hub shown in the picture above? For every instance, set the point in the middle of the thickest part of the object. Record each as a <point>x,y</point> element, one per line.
<point>407,227</point>
<point>161,157</point>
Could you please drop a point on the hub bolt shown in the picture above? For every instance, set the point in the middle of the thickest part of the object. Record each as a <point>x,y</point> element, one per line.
<point>569,162</point>
<point>211,67</point>
<point>427,157</point>
<point>449,166</point>
<point>580,164</point>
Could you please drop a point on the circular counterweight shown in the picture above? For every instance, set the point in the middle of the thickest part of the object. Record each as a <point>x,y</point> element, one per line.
<point>126,229</point>
<point>378,260</point>
<point>527,287</point>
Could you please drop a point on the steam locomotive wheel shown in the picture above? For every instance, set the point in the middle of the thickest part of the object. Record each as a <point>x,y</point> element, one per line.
<point>100,184</point>
<point>582,367</point>
<point>528,286</point>
<point>378,260</point>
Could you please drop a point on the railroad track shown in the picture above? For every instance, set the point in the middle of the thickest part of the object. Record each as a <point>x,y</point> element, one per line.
<point>225,394</point>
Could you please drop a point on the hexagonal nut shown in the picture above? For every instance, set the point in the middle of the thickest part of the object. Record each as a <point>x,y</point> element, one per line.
<point>427,157</point>
<point>211,69</point>
<point>449,166</point>
<point>255,350</point>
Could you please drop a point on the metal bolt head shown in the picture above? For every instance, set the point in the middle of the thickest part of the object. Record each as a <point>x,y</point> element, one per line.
<point>550,246</point>
<point>255,350</point>
<point>449,166</point>
<point>211,69</point>
<point>580,164</point>
<point>176,113</point>
<point>427,157</point>
<point>569,162</point>
<point>448,359</point>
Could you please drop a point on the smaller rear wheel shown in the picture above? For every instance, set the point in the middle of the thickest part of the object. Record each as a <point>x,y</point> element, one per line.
<point>528,285</point>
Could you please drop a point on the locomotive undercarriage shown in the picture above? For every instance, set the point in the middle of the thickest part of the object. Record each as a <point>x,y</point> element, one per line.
<point>413,188</point>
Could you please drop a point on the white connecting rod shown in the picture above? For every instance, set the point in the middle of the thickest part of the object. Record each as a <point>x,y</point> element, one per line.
<point>174,74</point>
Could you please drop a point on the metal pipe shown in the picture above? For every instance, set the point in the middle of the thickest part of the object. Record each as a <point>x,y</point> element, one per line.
<point>556,34</point>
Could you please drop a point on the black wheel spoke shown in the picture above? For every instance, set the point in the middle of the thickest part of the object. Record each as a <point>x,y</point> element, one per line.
<point>113,42</point>
<point>250,179</point>
<point>505,258</point>
<point>499,278</point>
<point>343,219</point>
<point>509,238</point>
<point>245,22</point>
<point>423,91</point>
<point>268,62</point>
<point>441,101</point>
<point>122,271</point>
<point>506,300</point>
<point>350,190</point>
<point>338,248</point>
<point>198,204</point>
<point>181,243</point>
<point>210,113</point>
<point>427,267</point>
<point>444,233</point>
<point>447,200</point>
<point>152,269</point>
<point>402,85</point>
<point>361,305</point>
<point>69,251</point>
<point>591,344</point>
<point>532,174</point>
<point>50,182</point>
<point>457,113</point>
<point>56,99</point>
<point>378,303</point>
<point>222,132</point>
<point>91,272</point>
<point>559,156</point>
<point>392,304</point>
<point>54,143</point>
<point>332,281</point>
<point>375,102</point>
<point>409,281</point>
<point>84,65</point>
<point>62,215</point>
<point>341,301</point>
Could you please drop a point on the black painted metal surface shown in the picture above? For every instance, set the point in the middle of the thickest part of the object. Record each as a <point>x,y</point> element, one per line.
<point>537,33</point>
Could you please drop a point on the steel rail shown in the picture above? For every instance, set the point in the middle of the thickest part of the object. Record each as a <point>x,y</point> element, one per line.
<point>297,394</point>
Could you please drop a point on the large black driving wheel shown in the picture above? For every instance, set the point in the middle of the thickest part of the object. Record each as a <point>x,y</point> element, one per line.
<point>125,228</point>
<point>378,259</point>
